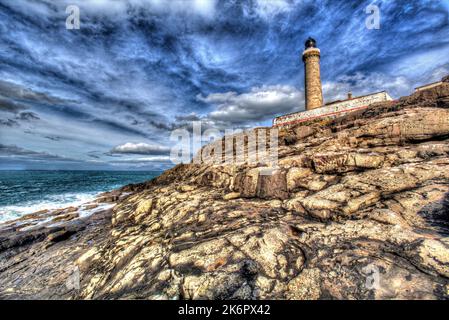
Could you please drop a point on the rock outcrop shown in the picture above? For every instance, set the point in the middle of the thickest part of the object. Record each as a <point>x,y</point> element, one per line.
<point>358,208</point>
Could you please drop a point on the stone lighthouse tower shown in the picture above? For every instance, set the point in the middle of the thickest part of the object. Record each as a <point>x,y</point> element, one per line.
<point>313,90</point>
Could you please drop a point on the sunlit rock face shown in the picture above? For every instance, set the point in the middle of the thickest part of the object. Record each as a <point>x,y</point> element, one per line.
<point>358,208</point>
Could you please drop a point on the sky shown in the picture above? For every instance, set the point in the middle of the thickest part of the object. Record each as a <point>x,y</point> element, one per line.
<point>107,96</point>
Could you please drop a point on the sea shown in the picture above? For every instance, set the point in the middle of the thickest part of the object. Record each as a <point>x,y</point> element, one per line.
<point>24,192</point>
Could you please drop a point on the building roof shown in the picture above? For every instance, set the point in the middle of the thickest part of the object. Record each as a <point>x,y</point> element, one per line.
<point>333,102</point>
<point>310,43</point>
<point>353,98</point>
<point>429,84</point>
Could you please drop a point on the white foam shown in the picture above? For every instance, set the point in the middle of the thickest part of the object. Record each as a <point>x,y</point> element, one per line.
<point>84,212</point>
<point>50,202</point>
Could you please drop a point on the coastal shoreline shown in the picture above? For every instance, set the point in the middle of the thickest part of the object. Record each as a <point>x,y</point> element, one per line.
<point>50,218</point>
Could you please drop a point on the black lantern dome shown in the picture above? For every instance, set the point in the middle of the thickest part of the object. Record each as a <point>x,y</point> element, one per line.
<point>310,43</point>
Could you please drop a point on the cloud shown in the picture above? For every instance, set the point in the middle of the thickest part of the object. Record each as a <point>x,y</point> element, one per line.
<point>260,103</point>
<point>53,138</point>
<point>439,73</point>
<point>9,123</point>
<point>94,154</point>
<point>140,148</point>
<point>361,84</point>
<point>27,116</point>
<point>144,160</point>
<point>188,117</point>
<point>119,9</point>
<point>8,151</point>
<point>7,105</point>
<point>268,9</point>
<point>14,91</point>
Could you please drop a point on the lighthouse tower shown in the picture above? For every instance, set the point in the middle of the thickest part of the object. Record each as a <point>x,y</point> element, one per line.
<point>313,90</point>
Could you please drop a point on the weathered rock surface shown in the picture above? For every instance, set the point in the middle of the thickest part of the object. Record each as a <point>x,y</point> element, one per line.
<point>358,208</point>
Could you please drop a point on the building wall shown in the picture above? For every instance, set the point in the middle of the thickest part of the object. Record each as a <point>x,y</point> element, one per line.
<point>332,110</point>
<point>428,86</point>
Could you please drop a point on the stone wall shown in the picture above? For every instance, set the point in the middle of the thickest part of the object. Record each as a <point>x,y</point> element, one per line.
<point>332,110</point>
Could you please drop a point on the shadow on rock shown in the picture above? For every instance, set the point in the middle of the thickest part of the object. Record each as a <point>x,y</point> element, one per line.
<point>437,215</point>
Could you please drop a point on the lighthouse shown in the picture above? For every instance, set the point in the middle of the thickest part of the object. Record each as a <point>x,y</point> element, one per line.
<point>312,79</point>
<point>316,110</point>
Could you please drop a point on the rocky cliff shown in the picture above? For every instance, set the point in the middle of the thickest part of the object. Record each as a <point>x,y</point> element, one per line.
<point>358,208</point>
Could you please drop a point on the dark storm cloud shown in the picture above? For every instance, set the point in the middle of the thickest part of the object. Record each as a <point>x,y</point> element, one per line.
<point>94,154</point>
<point>116,126</point>
<point>157,159</point>
<point>18,152</point>
<point>13,91</point>
<point>188,117</point>
<point>136,70</point>
<point>140,148</point>
<point>9,123</point>
<point>27,116</point>
<point>11,106</point>
<point>53,138</point>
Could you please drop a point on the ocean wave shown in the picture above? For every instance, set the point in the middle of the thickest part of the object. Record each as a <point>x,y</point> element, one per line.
<point>50,202</point>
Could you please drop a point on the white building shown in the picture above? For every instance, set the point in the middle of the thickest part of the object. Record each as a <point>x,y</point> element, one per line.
<point>428,86</point>
<point>333,109</point>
